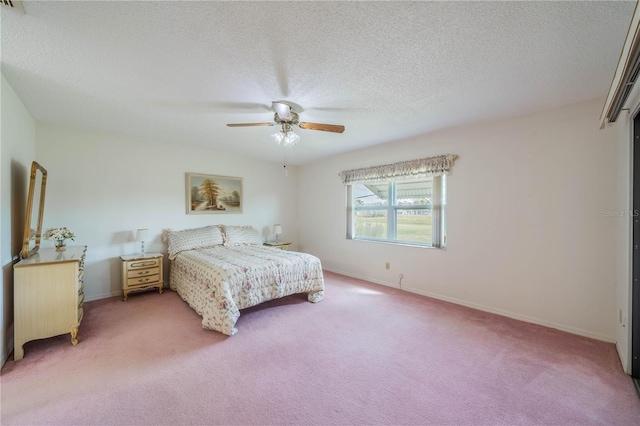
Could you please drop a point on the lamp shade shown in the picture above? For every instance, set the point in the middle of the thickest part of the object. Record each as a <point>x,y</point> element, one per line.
<point>141,234</point>
<point>277,229</point>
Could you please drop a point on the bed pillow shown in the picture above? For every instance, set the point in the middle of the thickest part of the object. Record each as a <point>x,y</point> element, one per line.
<point>241,235</point>
<point>189,239</point>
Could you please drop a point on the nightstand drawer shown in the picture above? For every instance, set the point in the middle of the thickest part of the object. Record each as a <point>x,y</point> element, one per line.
<point>143,264</point>
<point>137,273</point>
<point>131,282</point>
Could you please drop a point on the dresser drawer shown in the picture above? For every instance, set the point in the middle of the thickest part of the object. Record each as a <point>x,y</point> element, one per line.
<point>132,282</point>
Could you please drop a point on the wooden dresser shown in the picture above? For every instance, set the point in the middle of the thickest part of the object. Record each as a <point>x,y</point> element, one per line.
<point>48,295</point>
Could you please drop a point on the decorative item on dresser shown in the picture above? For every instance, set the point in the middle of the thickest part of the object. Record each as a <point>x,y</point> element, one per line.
<point>48,296</point>
<point>141,272</point>
<point>59,235</point>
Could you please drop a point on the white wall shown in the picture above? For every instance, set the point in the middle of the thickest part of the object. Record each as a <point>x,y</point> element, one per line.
<point>103,187</point>
<point>528,236</point>
<point>17,134</point>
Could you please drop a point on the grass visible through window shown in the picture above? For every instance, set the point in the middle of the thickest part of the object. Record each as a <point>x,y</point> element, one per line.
<point>415,228</point>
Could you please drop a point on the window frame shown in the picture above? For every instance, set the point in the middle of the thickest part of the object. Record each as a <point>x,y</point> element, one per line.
<point>437,207</point>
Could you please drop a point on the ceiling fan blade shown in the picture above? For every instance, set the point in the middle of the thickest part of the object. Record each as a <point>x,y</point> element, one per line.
<point>324,127</point>
<point>283,110</point>
<point>250,124</point>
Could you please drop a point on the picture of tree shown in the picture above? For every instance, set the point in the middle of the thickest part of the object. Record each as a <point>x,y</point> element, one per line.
<point>213,194</point>
<point>209,191</point>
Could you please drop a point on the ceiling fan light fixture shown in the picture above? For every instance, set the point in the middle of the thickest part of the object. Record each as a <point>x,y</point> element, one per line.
<point>290,139</point>
<point>286,136</point>
<point>278,137</point>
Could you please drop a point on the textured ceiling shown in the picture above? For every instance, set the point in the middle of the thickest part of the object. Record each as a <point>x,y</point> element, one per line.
<point>179,71</point>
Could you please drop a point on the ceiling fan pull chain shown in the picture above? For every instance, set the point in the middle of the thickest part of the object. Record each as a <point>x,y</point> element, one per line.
<point>284,160</point>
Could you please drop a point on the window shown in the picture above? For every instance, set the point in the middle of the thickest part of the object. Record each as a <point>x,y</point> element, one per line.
<point>404,211</point>
<point>403,202</point>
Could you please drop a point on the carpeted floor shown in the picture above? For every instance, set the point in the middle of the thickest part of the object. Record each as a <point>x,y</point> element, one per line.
<point>366,354</point>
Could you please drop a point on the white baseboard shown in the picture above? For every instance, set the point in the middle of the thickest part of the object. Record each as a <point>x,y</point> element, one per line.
<point>103,296</point>
<point>623,359</point>
<point>508,314</point>
<point>363,278</point>
<point>116,293</point>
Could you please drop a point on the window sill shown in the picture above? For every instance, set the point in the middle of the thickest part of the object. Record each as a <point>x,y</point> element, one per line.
<point>395,243</point>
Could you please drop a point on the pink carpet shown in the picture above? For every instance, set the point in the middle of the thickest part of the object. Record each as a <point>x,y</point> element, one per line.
<point>366,354</point>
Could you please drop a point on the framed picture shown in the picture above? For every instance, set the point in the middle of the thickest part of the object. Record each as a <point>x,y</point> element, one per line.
<point>213,194</point>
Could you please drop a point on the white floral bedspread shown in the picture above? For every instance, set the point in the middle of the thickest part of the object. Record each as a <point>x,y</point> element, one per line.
<point>218,282</point>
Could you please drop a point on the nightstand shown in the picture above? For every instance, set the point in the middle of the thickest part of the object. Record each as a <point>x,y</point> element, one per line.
<point>141,272</point>
<point>280,245</point>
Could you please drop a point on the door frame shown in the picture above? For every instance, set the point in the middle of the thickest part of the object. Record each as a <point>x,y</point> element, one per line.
<point>635,251</point>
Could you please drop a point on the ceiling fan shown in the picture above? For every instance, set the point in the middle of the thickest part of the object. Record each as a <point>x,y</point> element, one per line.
<point>286,117</point>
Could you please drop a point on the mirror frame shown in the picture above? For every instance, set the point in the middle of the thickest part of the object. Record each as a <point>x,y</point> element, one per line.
<point>35,168</point>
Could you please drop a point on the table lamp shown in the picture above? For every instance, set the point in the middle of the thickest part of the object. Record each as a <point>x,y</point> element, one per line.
<point>277,229</point>
<point>141,235</point>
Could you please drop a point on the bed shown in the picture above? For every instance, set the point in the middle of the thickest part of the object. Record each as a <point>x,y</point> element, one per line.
<point>220,270</point>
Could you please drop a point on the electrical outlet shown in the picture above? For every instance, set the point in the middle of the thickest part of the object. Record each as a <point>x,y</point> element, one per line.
<point>387,265</point>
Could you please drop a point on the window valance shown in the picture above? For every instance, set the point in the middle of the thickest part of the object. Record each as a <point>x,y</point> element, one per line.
<point>430,166</point>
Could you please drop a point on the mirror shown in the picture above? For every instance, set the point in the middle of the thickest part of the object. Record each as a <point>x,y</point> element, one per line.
<point>35,210</point>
